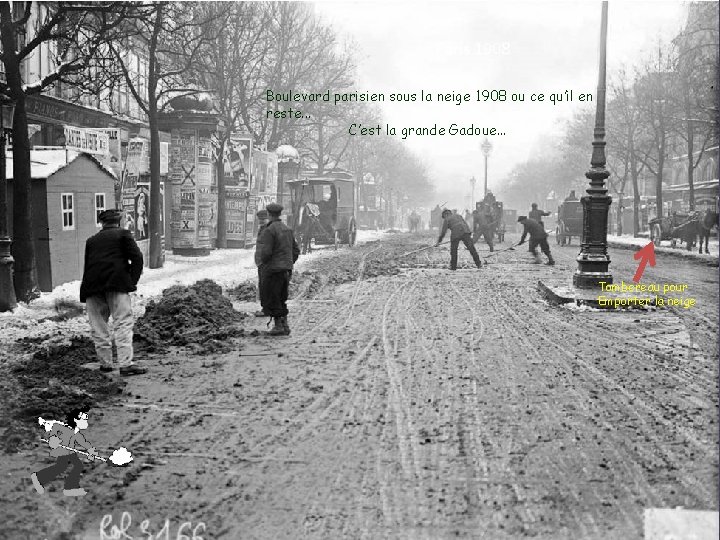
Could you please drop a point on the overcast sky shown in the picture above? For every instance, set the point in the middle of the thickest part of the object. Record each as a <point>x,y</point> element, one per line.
<point>522,47</point>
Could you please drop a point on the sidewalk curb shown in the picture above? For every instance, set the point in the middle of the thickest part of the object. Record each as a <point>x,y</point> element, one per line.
<point>556,297</point>
<point>680,254</point>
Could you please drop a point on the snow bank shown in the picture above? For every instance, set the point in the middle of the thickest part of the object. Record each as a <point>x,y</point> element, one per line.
<point>59,312</point>
<point>629,241</point>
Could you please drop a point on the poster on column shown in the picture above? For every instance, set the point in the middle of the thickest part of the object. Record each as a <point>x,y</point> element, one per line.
<point>182,158</point>
<point>184,230</point>
<point>237,160</point>
<point>235,206</point>
<point>206,199</point>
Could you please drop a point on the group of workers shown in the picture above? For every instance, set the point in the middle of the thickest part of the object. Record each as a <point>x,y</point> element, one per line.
<point>484,224</point>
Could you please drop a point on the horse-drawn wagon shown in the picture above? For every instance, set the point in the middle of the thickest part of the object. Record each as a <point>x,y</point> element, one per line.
<point>323,211</point>
<point>569,221</point>
<point>686,227</point>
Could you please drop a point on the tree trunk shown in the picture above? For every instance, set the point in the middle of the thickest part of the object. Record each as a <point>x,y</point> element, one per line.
<point>23,248</point>
<point>156,254</point>
<point>691,167</point>
<point>221,217</point>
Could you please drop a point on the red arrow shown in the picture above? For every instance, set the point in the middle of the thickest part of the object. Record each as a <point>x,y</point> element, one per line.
<point>646,255</point>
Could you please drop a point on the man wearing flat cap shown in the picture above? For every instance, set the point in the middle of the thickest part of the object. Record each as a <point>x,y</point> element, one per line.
<point>278,253</point>
<point>538,237</point>
<point>262,217</point>
<point>113,264</point>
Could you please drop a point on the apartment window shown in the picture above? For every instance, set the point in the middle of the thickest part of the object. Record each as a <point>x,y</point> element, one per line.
<point>68,211</point>
<point>99,207</point>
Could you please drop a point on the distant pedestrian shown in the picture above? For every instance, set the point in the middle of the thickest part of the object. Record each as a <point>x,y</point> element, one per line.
<point>537,214</point>
<point>538,237</point>
<point>414,221</point>
<point>113,265</point>
<point>262,217</point>
<point>459,232</point>
<point>278,253</point>
<point>483,225</point>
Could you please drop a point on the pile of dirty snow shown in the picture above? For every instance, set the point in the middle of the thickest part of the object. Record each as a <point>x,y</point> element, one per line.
<point>197,314</point>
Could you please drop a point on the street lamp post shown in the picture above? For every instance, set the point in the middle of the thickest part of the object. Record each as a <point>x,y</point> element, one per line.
<point>486,147</point>
<point>472,194</point>
<point>593,259</point>
<point>8,300</point>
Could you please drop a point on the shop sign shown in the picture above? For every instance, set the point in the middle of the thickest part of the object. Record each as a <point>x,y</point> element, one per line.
<point>91,141</point>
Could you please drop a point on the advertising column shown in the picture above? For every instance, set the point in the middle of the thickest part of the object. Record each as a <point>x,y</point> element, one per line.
<point>194,184</point>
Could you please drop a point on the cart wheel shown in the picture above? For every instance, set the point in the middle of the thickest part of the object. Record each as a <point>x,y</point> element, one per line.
<point>656,234</point>
<point>352,233</point>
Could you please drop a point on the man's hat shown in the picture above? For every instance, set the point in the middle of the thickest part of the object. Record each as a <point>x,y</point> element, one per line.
<point>521,218</point>
<point>534,205</point>
<point>262,214</point>
<point>110,216</point>
<point>274,208</point>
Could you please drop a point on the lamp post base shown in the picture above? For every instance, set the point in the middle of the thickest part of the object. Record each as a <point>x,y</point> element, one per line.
<point>8,300</point>
<point>591,280</point>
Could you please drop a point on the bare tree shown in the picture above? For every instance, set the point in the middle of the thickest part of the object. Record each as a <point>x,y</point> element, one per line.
<point>172,35</point>
<point>653,89</point>
<point>235,48</point>
<point>624,127</point>
<point>694,96</point>
<point>77,32</point>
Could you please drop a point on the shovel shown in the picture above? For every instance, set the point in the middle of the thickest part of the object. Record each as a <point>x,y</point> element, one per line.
<point>119,457</point>
<point>511,248</point>
<point>422,249</point>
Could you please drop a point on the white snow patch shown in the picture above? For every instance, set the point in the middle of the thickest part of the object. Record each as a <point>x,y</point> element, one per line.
<point>713,246</point>
<point>227,267</point>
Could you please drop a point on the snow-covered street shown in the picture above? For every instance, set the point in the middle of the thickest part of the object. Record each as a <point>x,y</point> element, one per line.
<point>412,402</point>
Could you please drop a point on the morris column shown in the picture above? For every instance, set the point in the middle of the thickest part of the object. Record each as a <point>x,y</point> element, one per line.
<point>194,182</point>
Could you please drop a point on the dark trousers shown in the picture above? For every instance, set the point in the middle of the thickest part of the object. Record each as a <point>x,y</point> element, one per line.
<point>275,292</point>
<point>544,247</point>
<point>261,295</point>
<point>467,240</point>
<point>72,480</point>
<point>486,233</point>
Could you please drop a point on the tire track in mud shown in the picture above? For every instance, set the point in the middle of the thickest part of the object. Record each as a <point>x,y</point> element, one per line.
<point>650,432</point>
<point>343,407</point>
<point>515,377</point>
<point>584,521</point>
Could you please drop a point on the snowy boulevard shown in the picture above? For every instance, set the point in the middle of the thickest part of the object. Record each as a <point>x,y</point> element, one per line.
<point>408,402</point>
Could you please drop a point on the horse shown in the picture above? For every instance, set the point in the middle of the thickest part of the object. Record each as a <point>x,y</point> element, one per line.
<point>704,226</point>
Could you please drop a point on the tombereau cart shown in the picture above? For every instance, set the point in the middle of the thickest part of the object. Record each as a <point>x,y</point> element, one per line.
<point>323,211</point>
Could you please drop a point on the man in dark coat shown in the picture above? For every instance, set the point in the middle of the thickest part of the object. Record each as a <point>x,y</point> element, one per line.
<point>537,214</point>
<point>262,217</point>
<point>538,237</point>
<point>278,253</point>
<point>483,225</point>
<point>459,232</point>
<point>113,264</point>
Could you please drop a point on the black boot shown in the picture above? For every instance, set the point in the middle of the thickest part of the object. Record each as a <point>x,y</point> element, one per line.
<point>278,329</point>
<point>286,325</point>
